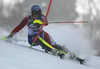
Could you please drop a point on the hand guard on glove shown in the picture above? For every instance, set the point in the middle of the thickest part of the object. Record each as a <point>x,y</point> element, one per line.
<point>37,23</point>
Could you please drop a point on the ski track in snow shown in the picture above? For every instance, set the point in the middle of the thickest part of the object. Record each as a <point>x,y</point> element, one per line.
<point>20,56</point>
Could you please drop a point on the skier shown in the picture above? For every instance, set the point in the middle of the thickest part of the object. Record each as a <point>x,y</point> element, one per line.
<point>34,23</point>
<point>34,28</point>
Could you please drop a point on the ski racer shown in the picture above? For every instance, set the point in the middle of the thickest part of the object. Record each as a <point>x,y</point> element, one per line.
<point>34,23</point>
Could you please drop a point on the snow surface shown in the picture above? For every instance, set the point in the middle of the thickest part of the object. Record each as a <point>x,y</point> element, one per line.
<point>18,55</point>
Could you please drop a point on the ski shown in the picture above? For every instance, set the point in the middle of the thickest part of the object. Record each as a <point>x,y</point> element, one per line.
<point>55,51</point>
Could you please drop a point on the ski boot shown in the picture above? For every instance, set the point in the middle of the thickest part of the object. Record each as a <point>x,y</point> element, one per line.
<point>62,48</point>
<point>57,53</point>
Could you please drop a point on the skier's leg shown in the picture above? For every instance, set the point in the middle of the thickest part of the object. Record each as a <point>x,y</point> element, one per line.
<point>43,44</point>
<point>47,46</point>
<point>49,39</point>
<point>32,37</point>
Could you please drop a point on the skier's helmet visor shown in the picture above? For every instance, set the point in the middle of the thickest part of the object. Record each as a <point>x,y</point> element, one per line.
<point>36,12</point>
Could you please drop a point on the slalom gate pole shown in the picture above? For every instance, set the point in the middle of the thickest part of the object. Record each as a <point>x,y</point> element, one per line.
<point>43,23</point>
<point>70,22</point>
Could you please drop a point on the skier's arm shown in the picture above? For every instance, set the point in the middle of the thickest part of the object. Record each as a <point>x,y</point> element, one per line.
<point>46,23</point>
<point>20,26</point>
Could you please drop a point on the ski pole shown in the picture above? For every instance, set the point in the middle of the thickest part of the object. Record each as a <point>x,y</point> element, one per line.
<point>43,23</point>
<point>70,22</point>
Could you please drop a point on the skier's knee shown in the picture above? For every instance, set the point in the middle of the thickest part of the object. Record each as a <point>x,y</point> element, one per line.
<point>57,47</point>
<point>43,45</point>
<point>63,48</point>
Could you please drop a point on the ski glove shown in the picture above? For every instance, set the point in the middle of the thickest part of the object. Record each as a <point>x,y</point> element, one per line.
<point>7,37</point>
<point>37,23</point>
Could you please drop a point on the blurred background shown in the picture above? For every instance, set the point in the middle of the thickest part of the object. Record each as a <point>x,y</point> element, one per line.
<point>13,11</point>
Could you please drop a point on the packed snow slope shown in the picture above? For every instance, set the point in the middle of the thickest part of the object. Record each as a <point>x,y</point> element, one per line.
<point>18,55</point>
